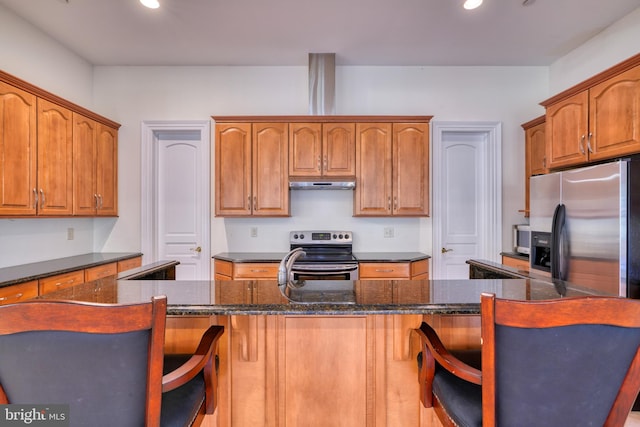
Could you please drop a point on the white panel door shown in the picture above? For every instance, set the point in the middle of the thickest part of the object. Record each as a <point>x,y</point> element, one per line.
<point>175,195</point>
<point>466,199</point>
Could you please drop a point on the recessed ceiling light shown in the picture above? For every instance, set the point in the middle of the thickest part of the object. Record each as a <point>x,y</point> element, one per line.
<point>151,4</point>
<point>472,4</point>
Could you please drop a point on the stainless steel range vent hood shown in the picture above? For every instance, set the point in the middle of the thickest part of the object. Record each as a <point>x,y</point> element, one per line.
<point>322,83</point>
<point>322,185</point>
<point>322,102</point>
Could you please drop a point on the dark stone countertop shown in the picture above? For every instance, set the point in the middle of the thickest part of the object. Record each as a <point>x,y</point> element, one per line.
<point>359,297</point>
<point>360,256</point>
<point>39,270</point>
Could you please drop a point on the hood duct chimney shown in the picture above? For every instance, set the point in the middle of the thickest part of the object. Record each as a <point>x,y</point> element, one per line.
<point>322,83</point>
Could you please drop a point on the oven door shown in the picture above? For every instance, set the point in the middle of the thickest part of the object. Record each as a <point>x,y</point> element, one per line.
<point>324,271</point>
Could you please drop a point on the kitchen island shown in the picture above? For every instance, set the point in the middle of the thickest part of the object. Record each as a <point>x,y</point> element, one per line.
<point>345,357</point>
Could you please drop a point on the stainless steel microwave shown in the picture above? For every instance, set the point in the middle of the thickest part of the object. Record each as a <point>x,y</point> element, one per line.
<point>522,239</point>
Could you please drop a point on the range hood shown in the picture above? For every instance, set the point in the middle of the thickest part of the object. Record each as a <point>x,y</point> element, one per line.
<point>308,184</point>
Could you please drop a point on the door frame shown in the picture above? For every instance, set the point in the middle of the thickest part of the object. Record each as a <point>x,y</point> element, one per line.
<point>492,232</point>
<point>148,220</point>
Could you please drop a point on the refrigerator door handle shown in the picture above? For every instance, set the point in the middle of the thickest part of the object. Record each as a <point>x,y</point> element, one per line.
<point>557,243</point>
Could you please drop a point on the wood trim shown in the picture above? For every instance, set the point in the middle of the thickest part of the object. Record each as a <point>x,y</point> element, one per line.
<point>41,93</point>
<point>535,122</point>
<point>320,119</point>
<point>596,79</point>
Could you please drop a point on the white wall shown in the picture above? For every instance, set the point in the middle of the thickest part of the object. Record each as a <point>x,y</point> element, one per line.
<point>613,45</point>
<point>133,94</point>
<point>31,55</point>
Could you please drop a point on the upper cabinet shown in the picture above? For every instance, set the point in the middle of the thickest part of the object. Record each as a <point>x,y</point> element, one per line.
<point>251,162</point>
<point>58,158</point>
<point>392,169</point>
<point>322,150</point>
<point>18,151</point>
<point>95,181</point>
<point>256,156</point>
<point>535,154</point>
<point>596,120</point>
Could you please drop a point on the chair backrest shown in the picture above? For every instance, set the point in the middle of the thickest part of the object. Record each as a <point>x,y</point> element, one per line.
<point>104,361</point>
<point>566,362</point>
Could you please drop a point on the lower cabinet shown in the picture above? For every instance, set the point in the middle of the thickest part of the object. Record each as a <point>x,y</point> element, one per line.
<point>520,264</point>
<point>320,371</point>
<point>415,270</point>
<point>18,293</point>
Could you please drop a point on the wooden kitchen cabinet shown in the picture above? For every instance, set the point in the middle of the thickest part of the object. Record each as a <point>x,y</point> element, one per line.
<point>227,270</point>
<point>251,169</point>
<point>601,121</point>
<point>55,159</point>
<point>535,155</point>
<point>392,169</point>
<point>18,144</point>
<point>100,272</point>
<point>46,159</point>
<point>322,150</point>
<point>415,270</point>
<point>520,264</point>
<point>18,293</point>
<point>128,264</point>
<point>95,180</point>
<point>60,281</point>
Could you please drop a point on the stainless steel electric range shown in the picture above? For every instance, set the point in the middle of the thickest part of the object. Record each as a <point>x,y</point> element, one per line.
<point>328,255</point>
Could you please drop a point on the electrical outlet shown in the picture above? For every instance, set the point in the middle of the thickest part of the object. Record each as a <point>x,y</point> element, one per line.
<point>254,231</point>
<point>389,232</point>
<point>70,232</point>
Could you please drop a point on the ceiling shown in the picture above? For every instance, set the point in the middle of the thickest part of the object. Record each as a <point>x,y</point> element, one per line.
<point>284,32</point>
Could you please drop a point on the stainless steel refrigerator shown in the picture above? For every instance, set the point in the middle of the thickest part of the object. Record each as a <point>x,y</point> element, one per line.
<point>585,226</point>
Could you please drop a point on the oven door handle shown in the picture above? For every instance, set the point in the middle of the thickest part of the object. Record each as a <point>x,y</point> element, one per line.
<point>330,268</point>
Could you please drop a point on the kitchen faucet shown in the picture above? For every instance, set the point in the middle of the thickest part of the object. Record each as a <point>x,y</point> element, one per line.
<point>284,270</point>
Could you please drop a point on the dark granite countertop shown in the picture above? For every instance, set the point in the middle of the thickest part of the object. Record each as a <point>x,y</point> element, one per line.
<point>359,297</point>
<point>390,256</point>
<point>38,270</point>
<point>360,256</point>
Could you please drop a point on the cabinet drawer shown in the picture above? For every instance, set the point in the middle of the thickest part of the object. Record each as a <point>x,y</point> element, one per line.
<point>256,271</point>
<point>128,264</point>
<point>420,269</point>
<point>18,293</point>
<point>100,271</point>
<point>61,281</point>
<point>384,270</point>
<point>520,264</point>
<point>223,268</point>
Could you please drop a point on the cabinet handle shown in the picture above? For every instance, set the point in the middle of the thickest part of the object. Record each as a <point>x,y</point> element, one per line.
<point>65,283</point>
<point>95,196</point>
<point>580,145</point>
<point>325,163</point>
<point>382,270</point>
<point>544,162</point>
<point>319,164</point>
<point>249,202</point>
<point>41,199</point>
<point>35,198</point>
<point>395,203</point>
<point>255,203</point>
<point>100,198</point>
<point>389,202</point>
<point>258,271</point>
<point>16,296</point>
<point>589,142</point>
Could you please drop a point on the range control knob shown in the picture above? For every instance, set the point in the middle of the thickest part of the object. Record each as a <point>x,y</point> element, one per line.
<point>346,236</point>
<point>335,236</point>
<point>302,236</point>
<point>339,236</point>
<point>295,236</point>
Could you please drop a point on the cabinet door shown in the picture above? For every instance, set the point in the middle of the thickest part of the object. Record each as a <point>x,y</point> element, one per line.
<point>233,169</point>
<point>338,149</point>
<point>270,183</point>
<point>614,116</point>
<point>17,151</point>
<point>567,131</point>
<point>107,170</point>
<point>84,165</point>
<point>410,169</point>
<point>372,196</point>
<point>55,159</point>
<point>536,140</point>
<point>305,149</point>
